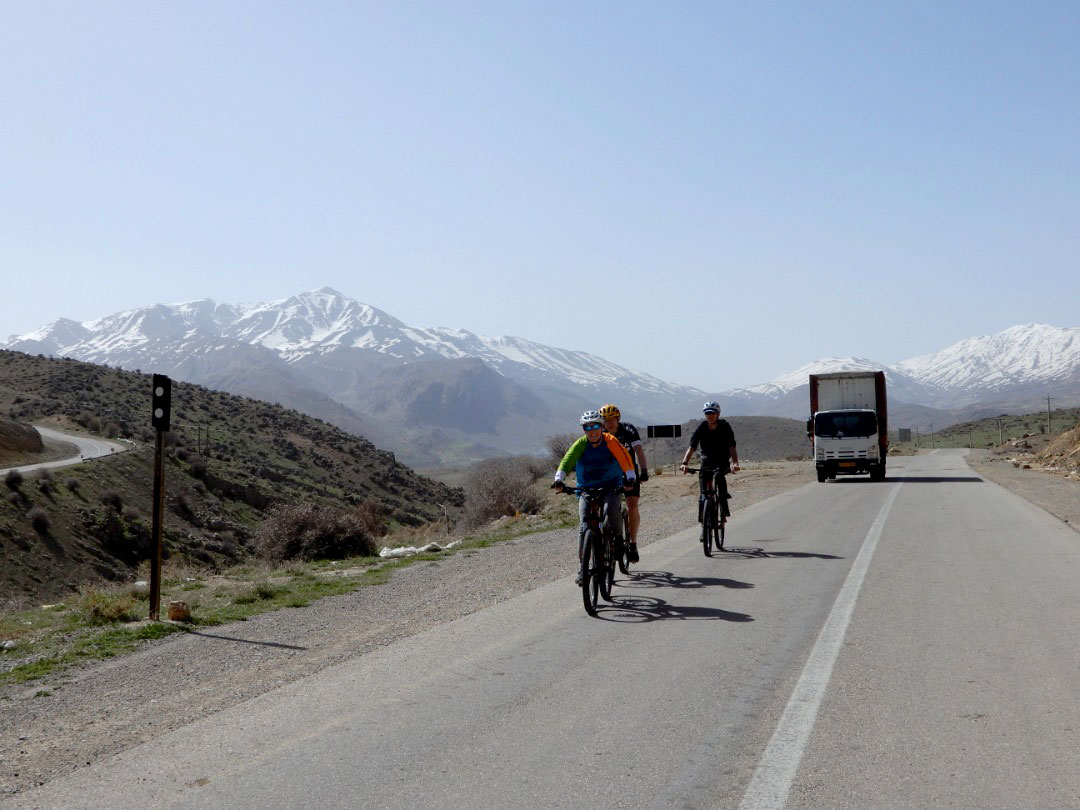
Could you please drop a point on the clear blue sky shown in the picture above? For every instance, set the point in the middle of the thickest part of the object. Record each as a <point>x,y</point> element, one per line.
<point>712,192</point>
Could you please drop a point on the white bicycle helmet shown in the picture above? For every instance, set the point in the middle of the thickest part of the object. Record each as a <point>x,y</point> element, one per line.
<point>711,407</point>
<point>592,418</point>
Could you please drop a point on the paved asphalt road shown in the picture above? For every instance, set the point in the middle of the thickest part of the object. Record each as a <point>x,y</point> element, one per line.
<point>910,643</point>
<point>84,447</point>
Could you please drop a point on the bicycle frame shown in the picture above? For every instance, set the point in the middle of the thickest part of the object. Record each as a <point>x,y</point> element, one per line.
<point>712,524</point>
<point>597,547</point>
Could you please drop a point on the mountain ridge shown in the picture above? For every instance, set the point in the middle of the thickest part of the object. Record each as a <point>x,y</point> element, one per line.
<point>331,356</point>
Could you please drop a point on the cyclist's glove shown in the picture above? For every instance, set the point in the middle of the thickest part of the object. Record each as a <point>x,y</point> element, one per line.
<point>558,485</point>
<point>644,476</point>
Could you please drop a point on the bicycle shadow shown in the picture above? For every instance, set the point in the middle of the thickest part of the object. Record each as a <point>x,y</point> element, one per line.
<point>638,609</point>
<point>751,552</point>
<point>666,579</point>
<point>914,479</point>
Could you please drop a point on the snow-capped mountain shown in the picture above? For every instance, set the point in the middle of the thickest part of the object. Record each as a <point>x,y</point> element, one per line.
<point>321,323</point>
<point>1010,370</point>
<point>903,386</point>
<point>1019,356</point>
<point>490,393</point>
<point>361,368</point>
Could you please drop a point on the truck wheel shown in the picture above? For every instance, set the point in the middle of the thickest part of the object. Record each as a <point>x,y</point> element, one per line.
<point>821,476</point>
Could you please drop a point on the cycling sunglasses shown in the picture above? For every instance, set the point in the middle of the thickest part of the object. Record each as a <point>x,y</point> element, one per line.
<point>588,428</point>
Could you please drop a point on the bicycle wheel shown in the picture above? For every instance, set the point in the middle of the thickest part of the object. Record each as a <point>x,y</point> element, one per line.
<point>621,552</point>
<point>607,566</point>
<point>590,582</point>
<point>708,524</point>
<point>721,507</point>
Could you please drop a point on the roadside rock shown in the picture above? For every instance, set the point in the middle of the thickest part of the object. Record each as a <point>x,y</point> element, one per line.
<point>19,438</point>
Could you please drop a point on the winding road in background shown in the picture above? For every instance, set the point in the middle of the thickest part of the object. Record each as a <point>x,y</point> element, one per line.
<point>895,644</point>
<point>85,448</point>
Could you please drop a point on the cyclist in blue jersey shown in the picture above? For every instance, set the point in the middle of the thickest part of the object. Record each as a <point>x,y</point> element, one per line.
<point>598,460</point>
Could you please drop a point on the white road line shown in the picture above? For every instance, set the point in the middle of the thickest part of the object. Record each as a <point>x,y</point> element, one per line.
<point>775,773</point>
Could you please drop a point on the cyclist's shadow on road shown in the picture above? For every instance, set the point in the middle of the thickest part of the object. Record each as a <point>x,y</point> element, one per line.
<point>630,604</point>
<point>666,579</point>
<point>752,552</point>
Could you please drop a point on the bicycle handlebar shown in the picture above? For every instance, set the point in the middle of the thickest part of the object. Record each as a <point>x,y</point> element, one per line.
<point>591,490</point>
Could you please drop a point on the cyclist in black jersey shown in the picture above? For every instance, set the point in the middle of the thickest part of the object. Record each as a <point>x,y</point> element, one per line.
<point>718,455</point>
<point>629,438</point>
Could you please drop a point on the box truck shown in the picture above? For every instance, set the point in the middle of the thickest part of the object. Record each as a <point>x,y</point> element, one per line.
<point>849,424</point>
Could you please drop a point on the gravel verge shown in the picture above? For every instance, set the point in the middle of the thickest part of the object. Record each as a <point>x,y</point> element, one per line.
<point>1055,492</point>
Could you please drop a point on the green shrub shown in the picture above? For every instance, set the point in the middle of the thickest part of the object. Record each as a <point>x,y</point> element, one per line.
<point>502,486</point>
<point>559,444</point>
<point>13,480</point>
<point>262,591</point>
<point>39,519</point>
<point>107,607</point>
<point>198,466</point>
<point>305,531</point>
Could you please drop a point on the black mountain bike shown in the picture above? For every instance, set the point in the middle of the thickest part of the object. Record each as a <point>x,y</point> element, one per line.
<point>622,544</point>
<point>598,563</point>
<point>712,525</point>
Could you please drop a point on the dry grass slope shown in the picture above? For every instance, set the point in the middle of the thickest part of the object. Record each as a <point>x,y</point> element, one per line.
<point>229,460</point>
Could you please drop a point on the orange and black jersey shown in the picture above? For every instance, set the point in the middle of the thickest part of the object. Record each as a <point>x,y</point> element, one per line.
<point>629,438</point>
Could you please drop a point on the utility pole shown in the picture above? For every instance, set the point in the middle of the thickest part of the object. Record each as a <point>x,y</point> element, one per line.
<point>1048,416</point>
<point>933,441</point>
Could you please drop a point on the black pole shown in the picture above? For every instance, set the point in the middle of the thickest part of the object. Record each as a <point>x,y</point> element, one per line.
<point>161,409</point>
<point>159,514</point>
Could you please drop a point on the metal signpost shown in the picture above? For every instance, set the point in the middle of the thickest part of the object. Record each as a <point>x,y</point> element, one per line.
<point>664,432</point>
<point>161,406</point>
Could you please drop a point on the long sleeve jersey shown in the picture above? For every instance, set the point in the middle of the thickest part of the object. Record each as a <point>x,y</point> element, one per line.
<point>599,465</point>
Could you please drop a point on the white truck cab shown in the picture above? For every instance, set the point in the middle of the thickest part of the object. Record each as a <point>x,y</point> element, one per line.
<point>848,424</point>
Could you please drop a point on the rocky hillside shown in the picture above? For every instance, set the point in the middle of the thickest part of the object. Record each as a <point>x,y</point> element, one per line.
<point>228,460</point>
<point>1063,452</point>
<point>18,438</point>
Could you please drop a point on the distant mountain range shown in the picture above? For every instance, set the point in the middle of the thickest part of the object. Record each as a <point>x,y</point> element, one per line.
<point>1012,371</point>
<point>436,395</point>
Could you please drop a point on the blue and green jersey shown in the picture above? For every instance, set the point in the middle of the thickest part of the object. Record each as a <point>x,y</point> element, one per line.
<point>600,465</point>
